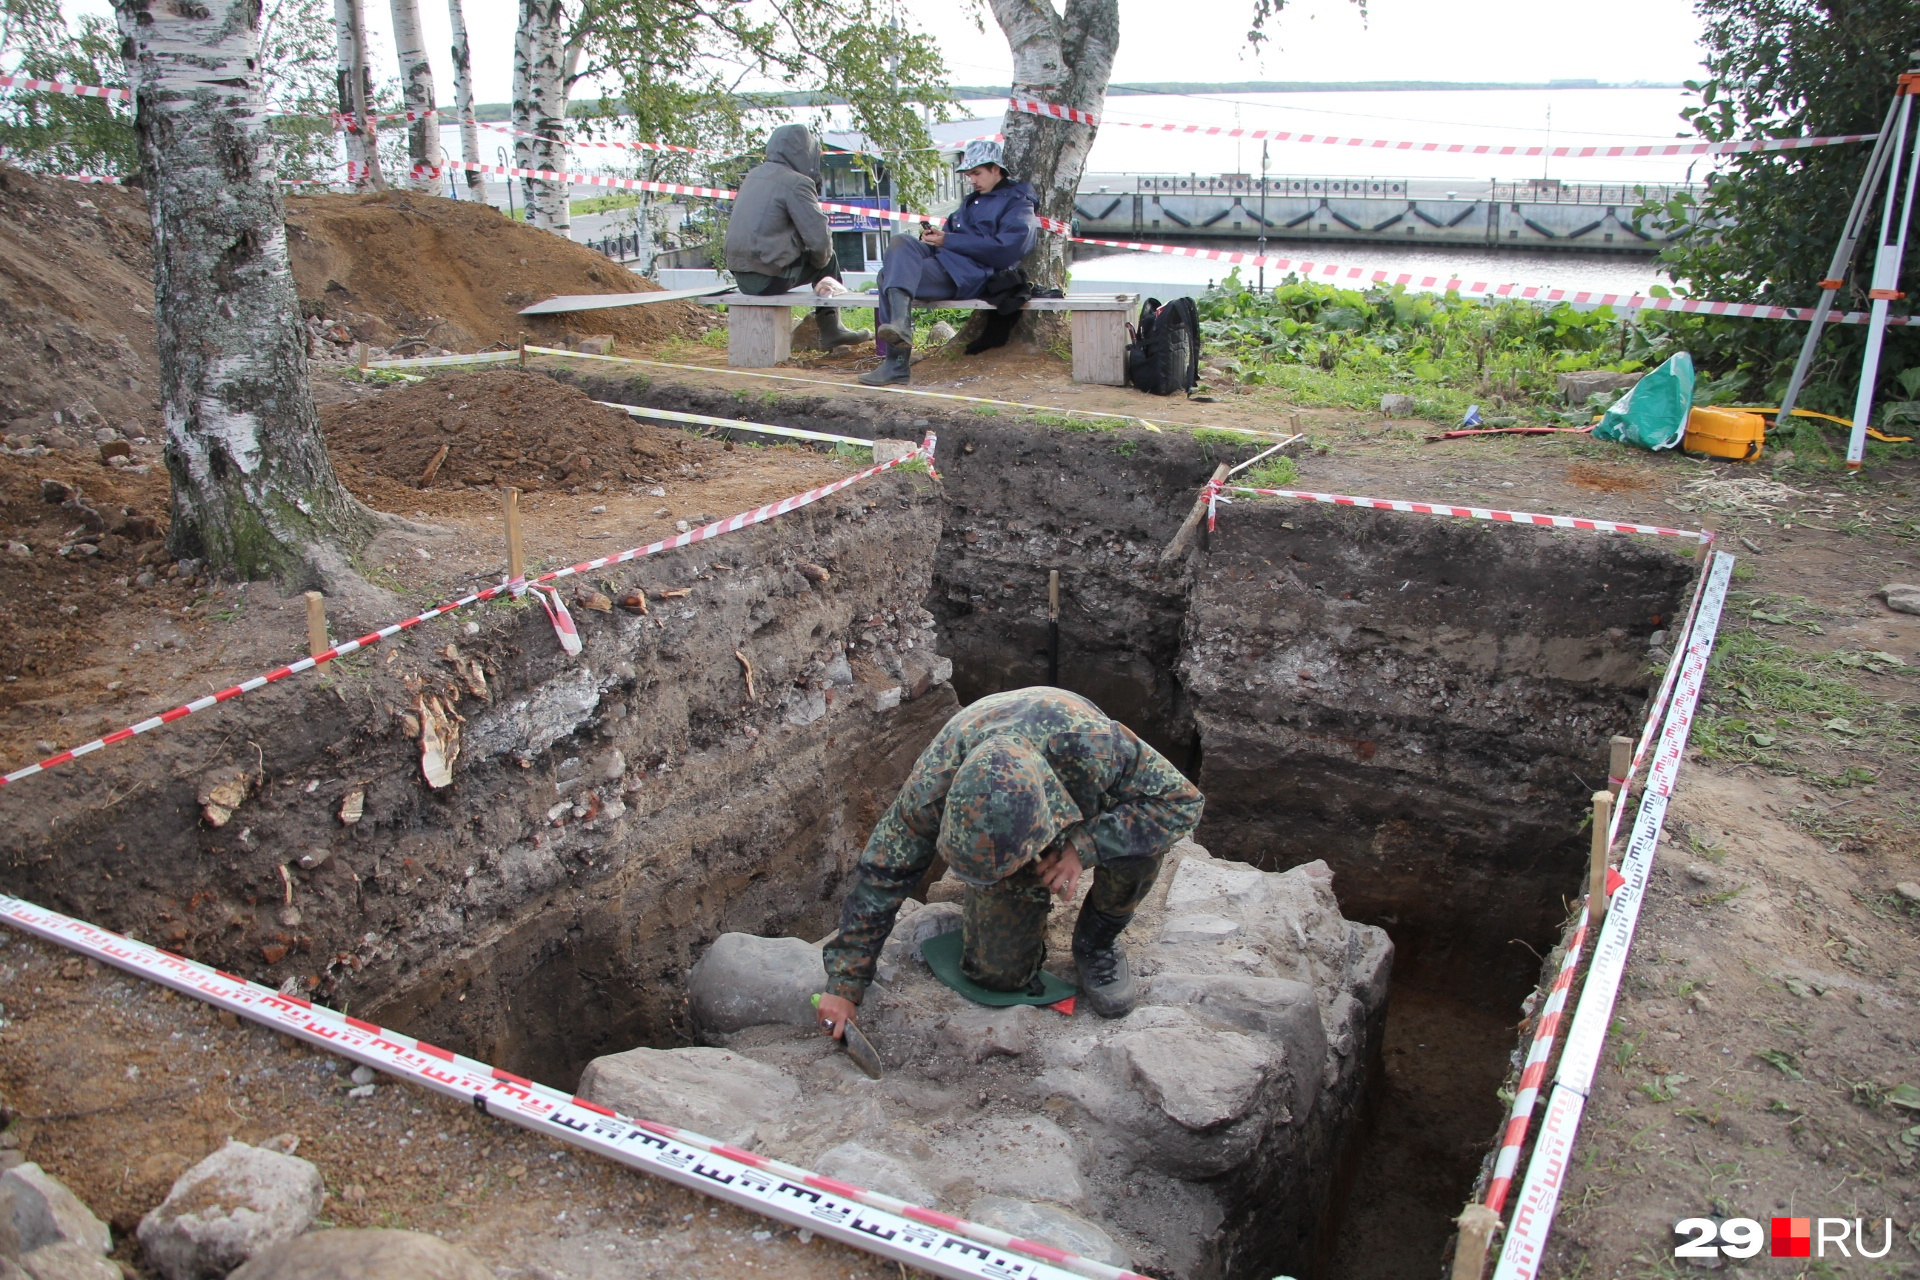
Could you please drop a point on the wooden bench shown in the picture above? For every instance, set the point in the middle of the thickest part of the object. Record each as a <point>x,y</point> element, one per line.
<point>760,327</point>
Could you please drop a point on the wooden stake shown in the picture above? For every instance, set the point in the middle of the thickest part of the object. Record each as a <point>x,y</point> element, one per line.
<point>523,355</point>
<point>1478,1225</point>
<point>1180,540</point>
<point>516,561</point>
<point>1597,873</point>
<point>1053,626</point>
<point>1622,760</point>
<point>1053,595</point>
<point>317,625</point>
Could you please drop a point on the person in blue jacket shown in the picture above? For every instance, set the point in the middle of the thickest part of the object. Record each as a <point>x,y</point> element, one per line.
<point>991,230</point>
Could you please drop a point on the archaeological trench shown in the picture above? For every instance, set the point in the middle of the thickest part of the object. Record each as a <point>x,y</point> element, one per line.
<point>1396,721</point>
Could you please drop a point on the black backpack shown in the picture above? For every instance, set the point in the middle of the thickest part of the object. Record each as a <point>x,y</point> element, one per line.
<point>1164,356</point>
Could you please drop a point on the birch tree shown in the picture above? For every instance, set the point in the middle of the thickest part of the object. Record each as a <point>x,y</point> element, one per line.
<point>253,491</point>
<point>355,91</point>
<point>416,89</point>
<point>463,99</point>
<point>1062,58</point>
<point>540,89</point>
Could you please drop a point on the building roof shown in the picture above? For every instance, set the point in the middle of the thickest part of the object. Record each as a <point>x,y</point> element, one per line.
<point>950,136</point>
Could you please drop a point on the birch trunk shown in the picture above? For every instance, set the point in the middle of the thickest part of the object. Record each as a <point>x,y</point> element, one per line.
<point>362,138</point>
<point>540,109</point>
<point>416,87</point>
<point>253,491</point>
<point>1065,59</point>
<point>463,99</point>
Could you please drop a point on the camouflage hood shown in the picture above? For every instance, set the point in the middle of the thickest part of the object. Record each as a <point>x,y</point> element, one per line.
<point>1004,808</point>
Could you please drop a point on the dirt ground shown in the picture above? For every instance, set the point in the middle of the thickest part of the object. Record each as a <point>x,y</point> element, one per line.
<point>1769,1010</point>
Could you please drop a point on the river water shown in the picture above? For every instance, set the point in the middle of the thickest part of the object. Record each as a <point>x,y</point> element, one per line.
<point>1495,117</point>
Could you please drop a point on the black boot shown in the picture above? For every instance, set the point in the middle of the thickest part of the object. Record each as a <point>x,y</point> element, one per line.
<point>831,334</point>
<point>1105,979</point>
<point>899,330</point>
<point>897,367</point>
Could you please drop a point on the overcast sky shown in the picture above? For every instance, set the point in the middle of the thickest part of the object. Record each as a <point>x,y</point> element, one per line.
<point>1485,40</point>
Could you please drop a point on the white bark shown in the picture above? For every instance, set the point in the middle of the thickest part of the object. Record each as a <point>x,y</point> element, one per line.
<point>416,87</point>
<point>463,99</point>
<point>540,108</point>
<point>1064,58</point>
<point>253,490</point>
<point>362,137</point>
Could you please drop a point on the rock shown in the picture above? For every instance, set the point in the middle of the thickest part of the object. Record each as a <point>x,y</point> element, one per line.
<point>745,981</point>
<point>105,435</point>
<point>1029,1158</point>
<point>234,1204</point>
<point>813,572</point>
<point>600,344</point>
<point>56,492</point>
<point>887,699</point>
<point>948,888</point>
<point>25,552</point>
<point>67,1262</point>
<point>314,859</point>
<point>711,1091</point>
<point>362,1074</point>
<point>910,929</point>
<point>1200,1079</point>
<point>1908,890</point>
<point>1397,406</point>
<point>11,1270</point>
<point>344,1254</point>
<point>1049,1225</point>
<point>1574,388</point>
<point>222,791</point>
<point>115,449</point>
<point>876,1171</point>
<point>979,1034</point>
<point>1202,887</point>
<point>61,440</point>
<point>939,332</point>
<point>1901,597</point>
<point>37,1210</point>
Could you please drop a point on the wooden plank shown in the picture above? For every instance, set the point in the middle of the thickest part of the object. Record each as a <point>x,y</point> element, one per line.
<point>1100,347</point>
<point>600,301</point>
<point>758,337</point>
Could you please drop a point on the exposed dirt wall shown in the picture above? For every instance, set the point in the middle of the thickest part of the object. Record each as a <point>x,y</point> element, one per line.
<point>610,813</point>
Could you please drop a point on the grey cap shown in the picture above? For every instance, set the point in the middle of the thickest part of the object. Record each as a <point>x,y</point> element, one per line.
<point>982,151</point>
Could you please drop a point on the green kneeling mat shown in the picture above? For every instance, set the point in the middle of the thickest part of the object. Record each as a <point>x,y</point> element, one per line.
<point>943,957</point>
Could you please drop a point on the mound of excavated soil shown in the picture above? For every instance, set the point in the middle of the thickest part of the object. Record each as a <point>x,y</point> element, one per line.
<point>500,426</point>
<point>456,273</point>
<point>76,291</point>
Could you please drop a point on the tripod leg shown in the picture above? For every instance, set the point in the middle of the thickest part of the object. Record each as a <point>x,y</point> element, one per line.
<point>1842,257</point>
<point>1886,285</point>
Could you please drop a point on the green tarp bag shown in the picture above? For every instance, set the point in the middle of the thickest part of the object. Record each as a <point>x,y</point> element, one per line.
<point>942,952</point>
<point>1653,413</point>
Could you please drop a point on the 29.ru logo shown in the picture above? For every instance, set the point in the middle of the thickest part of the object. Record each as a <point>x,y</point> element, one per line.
<point>1789,1237</point>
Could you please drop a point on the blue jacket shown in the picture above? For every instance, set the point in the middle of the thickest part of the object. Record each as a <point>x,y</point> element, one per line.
<point>987,233</point>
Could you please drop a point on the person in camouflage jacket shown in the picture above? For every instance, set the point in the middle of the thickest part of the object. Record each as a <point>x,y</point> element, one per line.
<point>1019,792</point>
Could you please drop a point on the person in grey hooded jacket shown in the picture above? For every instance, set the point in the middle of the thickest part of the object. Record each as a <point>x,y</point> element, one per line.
<point>777,236</point>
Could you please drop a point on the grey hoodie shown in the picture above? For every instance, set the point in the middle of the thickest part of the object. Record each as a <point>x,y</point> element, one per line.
<point>776,221</point>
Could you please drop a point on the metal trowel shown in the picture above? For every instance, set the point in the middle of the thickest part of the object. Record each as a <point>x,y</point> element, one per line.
<point>859,1048</point>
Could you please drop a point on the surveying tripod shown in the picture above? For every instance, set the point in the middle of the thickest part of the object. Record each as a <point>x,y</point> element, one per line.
<point>1882,165</point>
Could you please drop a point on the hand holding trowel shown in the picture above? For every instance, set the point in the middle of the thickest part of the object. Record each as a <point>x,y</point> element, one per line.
<point>836,1020</point>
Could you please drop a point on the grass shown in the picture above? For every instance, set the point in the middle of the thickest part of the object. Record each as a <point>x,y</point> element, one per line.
<point>1771,700</point>
<point>1277,472</point>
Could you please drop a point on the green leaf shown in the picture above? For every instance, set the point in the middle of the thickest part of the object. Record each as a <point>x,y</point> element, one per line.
<point>1904,1096</point>
<point>1782,1061</point>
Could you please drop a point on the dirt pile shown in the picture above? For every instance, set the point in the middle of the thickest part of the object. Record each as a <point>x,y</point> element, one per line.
<point>76,288</point>
<point>500,426</point>
<point>454,274</point>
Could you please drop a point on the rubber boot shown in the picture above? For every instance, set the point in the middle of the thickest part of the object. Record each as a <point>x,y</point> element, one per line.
<point>897,367</point>
<point>1105,978</point>
<point>899,330</point>
<point>831,334</point>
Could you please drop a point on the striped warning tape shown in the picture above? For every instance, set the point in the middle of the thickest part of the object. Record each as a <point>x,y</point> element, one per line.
<point>1054,110</point>
<point>61,86</point>
<point>1214,491</point>
<point>1514,1138</point>
<point>717,528</point>
<point>935,1242</point>
<point>1525,1247</point>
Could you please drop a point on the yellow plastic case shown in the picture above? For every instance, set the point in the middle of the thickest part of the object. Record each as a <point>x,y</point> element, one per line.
<point>1725,433</point>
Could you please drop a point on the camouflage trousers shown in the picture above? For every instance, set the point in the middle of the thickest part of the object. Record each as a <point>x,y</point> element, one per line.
<point>1004,925</point>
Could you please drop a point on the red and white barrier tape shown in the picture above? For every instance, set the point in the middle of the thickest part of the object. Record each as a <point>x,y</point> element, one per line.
<point>1214,490</point>
<point>85,177</point>
<point>935,1242</point>
<point>515,587</point>
<point>61,86</point>
<point>1031,107</point>
<point>1525,1247</point>
<point>609,144</point>
<point>1514,1138</point>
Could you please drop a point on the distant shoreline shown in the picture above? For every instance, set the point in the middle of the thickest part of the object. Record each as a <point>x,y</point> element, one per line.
<point>498,111</point>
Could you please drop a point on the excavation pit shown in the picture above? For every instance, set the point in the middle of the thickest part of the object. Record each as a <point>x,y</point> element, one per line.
<point>1422,705</point>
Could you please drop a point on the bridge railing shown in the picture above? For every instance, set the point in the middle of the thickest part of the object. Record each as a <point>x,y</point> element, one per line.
<point>1531,191</point>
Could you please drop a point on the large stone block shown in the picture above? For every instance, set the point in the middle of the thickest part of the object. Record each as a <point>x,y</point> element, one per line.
<point>232,1205</point>
<point>714,1092</point>
<point>876,1171</point>
<point>37,1210</point>
<point>1199,1079</point>
<point>1049,1225</point>
<point>365,1255</point>
<point>66,1262</point>
<point>745,981</point>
